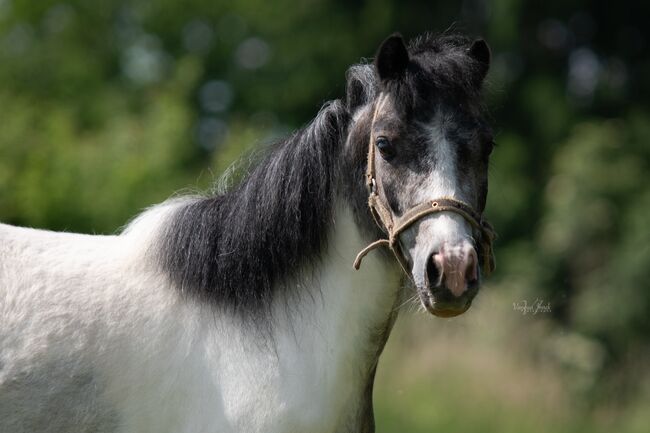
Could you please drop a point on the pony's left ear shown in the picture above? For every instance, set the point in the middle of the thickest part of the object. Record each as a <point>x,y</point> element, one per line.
<point>480,51</point>
<point>392,58</point>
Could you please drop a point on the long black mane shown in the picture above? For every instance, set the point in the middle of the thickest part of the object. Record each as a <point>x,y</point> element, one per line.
<point>233,249</point>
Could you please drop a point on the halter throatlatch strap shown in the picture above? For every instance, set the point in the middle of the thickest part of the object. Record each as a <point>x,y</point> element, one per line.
<point>393,227</point>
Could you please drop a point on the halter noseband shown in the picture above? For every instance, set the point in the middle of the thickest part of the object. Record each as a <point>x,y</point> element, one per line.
<point>393,227</point>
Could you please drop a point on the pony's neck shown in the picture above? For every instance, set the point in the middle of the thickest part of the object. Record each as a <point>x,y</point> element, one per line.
<point>339,296</point>
<point>338,326</point>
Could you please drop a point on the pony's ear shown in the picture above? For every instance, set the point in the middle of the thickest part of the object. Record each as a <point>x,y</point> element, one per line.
<point>355,94</point>
<point>480,51</point>
<point>360,88</point>
<point>392,58</point>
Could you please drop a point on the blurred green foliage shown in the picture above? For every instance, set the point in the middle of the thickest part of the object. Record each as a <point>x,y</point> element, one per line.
<point>109,107</point>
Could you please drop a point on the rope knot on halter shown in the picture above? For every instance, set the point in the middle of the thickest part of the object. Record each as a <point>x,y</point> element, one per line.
<point>393,227</point>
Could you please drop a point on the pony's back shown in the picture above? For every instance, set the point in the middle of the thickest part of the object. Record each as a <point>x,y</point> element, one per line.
<point>46,380</point>
<point>76,312</point>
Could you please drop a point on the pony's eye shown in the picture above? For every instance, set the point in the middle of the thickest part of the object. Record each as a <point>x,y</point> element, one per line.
<point>385,147</point>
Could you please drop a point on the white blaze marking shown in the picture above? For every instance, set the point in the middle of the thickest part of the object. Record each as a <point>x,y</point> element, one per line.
<point>442,181</point>
<point>444,229</point>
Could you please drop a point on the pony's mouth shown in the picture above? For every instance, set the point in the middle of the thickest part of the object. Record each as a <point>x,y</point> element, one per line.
<point>450,282</point>
<point>439,300</point>
<point>446,309</point>
<point>439,304</point>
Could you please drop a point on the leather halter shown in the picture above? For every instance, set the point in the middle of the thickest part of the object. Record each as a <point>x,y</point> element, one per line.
<point>393,227</point>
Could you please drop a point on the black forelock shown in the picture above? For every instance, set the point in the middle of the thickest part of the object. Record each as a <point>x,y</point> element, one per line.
<point>437,43</point>
<point>441,70</point>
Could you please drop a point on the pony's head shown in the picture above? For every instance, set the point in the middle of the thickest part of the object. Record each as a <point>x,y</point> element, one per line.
<point>418,119</point>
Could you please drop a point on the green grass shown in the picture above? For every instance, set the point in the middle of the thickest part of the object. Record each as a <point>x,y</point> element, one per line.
<point>491,370</point>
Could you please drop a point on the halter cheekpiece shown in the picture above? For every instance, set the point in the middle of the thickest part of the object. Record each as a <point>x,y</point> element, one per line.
<point>393,227</point>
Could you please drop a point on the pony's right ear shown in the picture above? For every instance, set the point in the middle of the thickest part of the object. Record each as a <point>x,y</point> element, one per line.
<point>392,58</point>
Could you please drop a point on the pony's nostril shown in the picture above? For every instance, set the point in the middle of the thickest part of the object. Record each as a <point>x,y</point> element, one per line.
<point>434,270</point>
<point>471,271</point>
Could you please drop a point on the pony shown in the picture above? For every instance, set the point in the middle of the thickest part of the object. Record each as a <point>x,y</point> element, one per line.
<point>242,311</point>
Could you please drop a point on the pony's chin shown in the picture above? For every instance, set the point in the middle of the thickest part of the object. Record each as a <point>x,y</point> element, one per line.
<point>446,310</point>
